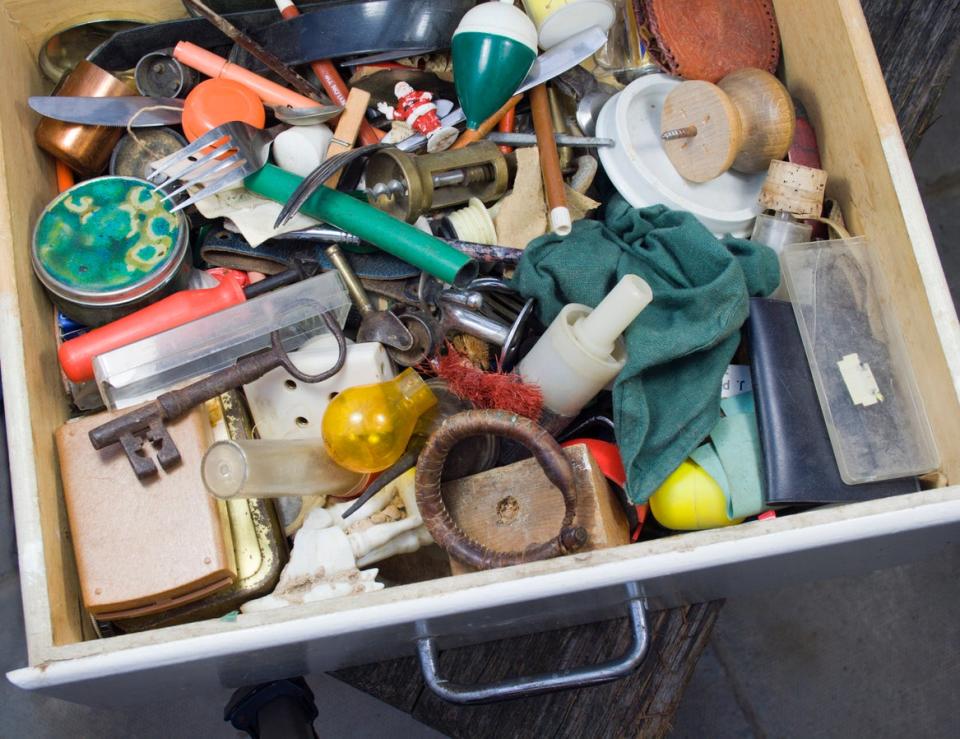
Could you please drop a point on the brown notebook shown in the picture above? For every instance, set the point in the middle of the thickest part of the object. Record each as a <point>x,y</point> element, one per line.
<point>142,547</point>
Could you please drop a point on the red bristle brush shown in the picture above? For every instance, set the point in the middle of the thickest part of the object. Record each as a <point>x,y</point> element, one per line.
<point>488,390</point>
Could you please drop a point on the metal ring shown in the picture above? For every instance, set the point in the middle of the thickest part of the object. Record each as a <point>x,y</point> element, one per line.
<point>289,366</point>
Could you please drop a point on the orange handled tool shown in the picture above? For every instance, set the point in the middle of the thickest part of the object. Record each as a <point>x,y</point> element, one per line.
<point>330,78</point>
<point>553,184</point>
<point>208,63</point>
<point>76,355</point>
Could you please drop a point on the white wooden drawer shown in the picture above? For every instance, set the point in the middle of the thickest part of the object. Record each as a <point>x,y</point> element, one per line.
<point>830,66</point>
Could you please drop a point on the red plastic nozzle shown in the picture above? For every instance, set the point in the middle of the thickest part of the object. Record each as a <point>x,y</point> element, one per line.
<point>76,356</point>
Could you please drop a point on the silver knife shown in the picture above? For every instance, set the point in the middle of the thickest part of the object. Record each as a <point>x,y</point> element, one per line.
<point>109,111</point>
<point>548,65</point>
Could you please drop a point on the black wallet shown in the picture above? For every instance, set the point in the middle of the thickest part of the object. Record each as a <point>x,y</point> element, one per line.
<point>798,460</point>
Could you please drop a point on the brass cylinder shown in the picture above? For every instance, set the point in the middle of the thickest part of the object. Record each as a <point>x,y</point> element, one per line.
<point>437,181</point>
<point>85,149</point>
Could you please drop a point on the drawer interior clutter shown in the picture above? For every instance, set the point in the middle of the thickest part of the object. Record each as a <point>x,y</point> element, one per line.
<point>308,315</point>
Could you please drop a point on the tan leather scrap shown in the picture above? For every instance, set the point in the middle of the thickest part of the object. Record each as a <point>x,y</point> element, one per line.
<point>708,39</point>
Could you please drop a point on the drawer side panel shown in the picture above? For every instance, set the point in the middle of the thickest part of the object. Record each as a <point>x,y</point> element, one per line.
<point>838,79</point>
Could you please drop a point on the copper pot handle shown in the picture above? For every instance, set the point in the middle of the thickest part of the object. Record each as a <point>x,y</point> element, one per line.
<point>548,454</point>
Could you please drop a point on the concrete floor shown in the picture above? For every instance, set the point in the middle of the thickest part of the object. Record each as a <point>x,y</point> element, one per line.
<point>872,656</point>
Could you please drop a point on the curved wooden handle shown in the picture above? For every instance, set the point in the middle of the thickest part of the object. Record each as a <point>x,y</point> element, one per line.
<point>545,450</point>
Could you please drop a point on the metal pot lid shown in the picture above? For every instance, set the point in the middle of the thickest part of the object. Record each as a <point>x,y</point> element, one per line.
<point>107,239</point>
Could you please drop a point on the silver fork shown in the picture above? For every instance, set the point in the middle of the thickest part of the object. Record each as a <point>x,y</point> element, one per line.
<point>237,150</point>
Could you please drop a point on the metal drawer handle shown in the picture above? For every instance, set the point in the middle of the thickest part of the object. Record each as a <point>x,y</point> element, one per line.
<point>524,687</point>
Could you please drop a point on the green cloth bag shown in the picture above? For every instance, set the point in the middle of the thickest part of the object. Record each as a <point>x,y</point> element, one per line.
<point>667,398</point>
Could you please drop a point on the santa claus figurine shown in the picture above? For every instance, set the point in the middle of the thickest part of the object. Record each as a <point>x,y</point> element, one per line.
<point>417,109</point>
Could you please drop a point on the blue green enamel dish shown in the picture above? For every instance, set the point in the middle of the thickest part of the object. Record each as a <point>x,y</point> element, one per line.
<point>109,246</point>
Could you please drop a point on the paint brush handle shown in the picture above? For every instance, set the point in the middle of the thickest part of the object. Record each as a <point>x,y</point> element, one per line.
<point>329,77</point>
<point>471,136</point>
<point>553,184</point>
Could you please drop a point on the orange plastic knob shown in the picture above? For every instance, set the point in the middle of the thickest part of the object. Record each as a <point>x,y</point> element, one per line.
<point>218,101</point>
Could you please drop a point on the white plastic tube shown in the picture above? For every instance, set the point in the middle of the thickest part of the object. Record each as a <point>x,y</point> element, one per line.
<point>583,350</point>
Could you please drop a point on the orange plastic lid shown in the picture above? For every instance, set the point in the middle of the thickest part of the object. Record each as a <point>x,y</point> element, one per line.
<point>218,101</point>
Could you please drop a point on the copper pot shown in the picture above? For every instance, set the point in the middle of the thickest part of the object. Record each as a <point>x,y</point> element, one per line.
<point>85,149</point>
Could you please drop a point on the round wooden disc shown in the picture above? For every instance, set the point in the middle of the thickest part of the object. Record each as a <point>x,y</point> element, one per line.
<point>766,114</point>
<point>719,135</point>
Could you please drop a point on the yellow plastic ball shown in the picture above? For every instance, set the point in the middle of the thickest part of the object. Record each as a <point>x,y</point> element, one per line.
<point>690,500</point>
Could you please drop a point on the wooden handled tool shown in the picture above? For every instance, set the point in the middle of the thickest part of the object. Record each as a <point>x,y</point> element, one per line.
<point>743,122</point>
<point>553,184</point>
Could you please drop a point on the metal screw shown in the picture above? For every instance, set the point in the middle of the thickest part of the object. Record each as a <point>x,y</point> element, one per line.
<point>687,132</point>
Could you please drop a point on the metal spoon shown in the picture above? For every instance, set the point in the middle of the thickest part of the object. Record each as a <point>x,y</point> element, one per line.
<point>306,116</point>
<point>589,93</point>
<point>375,325</point>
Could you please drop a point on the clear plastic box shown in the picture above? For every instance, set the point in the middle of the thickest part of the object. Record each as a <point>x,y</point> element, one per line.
<point>143,370</point>
<point>874,414</point>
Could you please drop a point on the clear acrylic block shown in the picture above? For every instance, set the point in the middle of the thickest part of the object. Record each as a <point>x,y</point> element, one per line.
<point>143,370</point>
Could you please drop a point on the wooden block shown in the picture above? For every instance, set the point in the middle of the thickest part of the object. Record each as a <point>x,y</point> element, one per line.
<point>142,548</point>
<point>353,115</point>
<point>511,507</point>
<point>743,122</point>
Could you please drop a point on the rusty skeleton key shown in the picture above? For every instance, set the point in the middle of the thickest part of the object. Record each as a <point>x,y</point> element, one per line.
<point>145,425</point>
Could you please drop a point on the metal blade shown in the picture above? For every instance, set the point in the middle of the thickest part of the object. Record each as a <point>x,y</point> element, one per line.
<point>110,111</point>
<point>563,56</point>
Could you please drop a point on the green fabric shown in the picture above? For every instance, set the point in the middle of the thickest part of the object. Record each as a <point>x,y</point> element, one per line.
<point>706,456</point>
<point>667,398</point>
<point>732,457</point>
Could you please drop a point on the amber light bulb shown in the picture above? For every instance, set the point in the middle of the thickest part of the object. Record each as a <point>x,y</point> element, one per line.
<point>366,428</point>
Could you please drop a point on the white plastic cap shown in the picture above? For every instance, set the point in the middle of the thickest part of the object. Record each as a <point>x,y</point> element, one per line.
<point>574,17</point>
<point>560,222</point>
<point>501,18</point>
<point>474,223</point>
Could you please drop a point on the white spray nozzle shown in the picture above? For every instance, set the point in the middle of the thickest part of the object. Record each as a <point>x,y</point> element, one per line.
<point>599,331</point>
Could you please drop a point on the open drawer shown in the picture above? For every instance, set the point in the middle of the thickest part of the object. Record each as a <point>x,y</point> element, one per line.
<point>830,66</point>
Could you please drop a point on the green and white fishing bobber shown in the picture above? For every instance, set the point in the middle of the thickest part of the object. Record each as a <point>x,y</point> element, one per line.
<point>494,48</point>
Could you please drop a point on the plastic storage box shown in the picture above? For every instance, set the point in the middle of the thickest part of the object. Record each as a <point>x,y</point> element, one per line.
<point>875,418</point>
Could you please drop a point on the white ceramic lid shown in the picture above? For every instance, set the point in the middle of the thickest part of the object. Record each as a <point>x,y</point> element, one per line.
<point>573,18</point>
<point>639,168</point>
<point>500,18</point>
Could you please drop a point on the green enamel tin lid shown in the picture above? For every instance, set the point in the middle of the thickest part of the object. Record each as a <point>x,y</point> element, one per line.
<point>108,241</point>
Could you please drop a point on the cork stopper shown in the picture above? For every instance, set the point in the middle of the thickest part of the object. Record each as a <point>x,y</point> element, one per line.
<point>793,188</point>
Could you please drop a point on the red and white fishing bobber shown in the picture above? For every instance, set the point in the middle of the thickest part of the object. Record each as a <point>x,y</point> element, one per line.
<point>417,109</point>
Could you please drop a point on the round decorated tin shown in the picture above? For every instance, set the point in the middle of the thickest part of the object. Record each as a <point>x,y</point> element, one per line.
<point>109,246</point>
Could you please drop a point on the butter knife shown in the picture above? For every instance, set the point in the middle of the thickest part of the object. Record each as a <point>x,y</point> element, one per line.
<point>109,111</point>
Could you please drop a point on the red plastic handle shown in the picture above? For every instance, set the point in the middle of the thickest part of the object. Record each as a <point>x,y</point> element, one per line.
<point>76,356</point>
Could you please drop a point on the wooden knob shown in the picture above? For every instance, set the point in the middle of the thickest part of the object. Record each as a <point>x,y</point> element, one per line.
<point>741,123</point>
<point>794,189</point>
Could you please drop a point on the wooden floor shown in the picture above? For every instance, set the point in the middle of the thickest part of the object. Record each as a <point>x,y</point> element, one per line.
<point>917,42</point>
